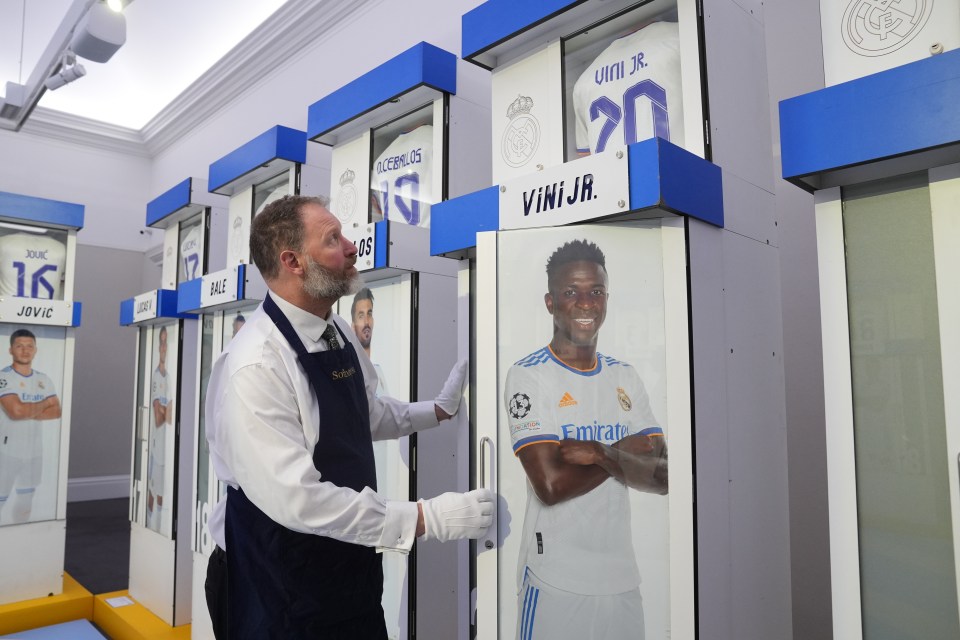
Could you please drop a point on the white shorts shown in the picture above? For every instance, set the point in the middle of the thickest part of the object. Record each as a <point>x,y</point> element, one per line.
<point>546,612</point>
<point>25,473</point>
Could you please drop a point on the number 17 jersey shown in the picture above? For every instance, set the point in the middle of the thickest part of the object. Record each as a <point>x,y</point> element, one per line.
<point>632,91</point>
<point>31,266</point>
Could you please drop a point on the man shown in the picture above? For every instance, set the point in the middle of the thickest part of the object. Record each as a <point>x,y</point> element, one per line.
<point>291,414</point>
<point>237,323</point>
<point>27,397</point>
<point>361,318</point>
<point>582,427</point>
<point>162,414</point>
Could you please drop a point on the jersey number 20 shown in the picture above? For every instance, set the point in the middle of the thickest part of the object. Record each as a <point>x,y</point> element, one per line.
<point>607,108</point>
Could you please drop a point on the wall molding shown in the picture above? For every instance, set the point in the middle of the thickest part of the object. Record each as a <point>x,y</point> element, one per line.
<point>297,25</point>
<point>98,488</point>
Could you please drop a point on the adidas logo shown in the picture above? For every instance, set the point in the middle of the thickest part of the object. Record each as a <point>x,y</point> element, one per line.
<point>567,400</point>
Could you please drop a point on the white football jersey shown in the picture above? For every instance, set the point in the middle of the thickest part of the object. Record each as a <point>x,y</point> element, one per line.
<point>31,266</point>
<point>273,196</point>
<point>23,438</point>
<point>583,545</point>
<point>632,91</point>
<point>191,255</point>
<point>402,178</point>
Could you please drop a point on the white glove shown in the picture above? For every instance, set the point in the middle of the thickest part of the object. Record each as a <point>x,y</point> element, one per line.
<point>452,392</point>
<point>453,516</point>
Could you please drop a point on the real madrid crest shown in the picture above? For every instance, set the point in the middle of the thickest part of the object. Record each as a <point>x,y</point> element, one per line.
<point>878,27</point>
<point>521,138</point>
<point>624,399</point>
<point>346,197</point>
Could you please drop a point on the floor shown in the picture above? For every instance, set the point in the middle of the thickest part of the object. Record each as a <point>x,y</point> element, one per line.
<point>98,544</point>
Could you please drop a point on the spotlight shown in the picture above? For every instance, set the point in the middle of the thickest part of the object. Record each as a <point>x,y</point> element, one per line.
<point>70,70</point>
<point>99,34</point>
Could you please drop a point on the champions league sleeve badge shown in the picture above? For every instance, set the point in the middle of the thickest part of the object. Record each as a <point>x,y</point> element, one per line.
<point>521,138</point>
<point>347,197</point>
<point>520,406</point>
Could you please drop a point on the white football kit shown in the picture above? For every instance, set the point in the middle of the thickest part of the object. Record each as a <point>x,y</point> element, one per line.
<point>31,266</point>
<point>402,178</point>
<point>581,547</point>
<point>191,255</point>
<point>632,91</point>
<point>156,445</point>
<point>21,441</point>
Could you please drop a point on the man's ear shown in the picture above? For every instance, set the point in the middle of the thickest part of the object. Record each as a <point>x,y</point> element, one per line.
<point>548,300</point>
<point>291,262</point>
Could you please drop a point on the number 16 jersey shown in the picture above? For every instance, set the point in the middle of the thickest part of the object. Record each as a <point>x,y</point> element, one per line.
<point>31,266</point>
<point>631,91</point>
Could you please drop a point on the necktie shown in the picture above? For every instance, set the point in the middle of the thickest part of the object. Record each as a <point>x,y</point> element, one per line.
<point>330,335</point>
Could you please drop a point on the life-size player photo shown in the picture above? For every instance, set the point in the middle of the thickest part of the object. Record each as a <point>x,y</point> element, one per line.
<point>380,316</point>
<point>32,263</point>
<point>30,410</point>
<point>583,408</point>
<point>161,430</point>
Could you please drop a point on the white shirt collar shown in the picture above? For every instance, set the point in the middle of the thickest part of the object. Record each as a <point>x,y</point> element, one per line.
<point>304,323</point>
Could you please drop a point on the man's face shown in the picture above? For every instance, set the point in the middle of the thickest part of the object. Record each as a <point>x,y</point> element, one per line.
<point>363,322</point>
<point>577,300</point>
<point>163,347</point>
<point>23,350</point>
<point>329,256</point>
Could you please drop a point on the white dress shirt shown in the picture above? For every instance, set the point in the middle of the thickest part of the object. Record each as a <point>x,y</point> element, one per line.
<point>262,426</point>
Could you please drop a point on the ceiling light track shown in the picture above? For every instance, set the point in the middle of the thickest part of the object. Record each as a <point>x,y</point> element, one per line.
<point>89,29</point>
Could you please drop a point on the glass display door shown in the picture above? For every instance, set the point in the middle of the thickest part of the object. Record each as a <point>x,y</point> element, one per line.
<point>891,347</point>
<point>590,390</point>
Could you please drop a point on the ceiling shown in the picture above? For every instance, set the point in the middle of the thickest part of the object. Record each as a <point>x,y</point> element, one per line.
<point>170,44</point>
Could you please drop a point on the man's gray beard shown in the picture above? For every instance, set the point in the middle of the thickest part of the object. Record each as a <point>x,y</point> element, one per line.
<point>322,283</point>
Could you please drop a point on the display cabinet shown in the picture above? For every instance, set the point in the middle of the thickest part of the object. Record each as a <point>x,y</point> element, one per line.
<point>887,241</point>
<point>163,443</point>
<point>38,318</point>
<point>405,136</point>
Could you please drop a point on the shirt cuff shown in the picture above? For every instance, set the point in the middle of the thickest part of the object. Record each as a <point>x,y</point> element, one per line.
<point>400,526</point>
<point>423,415</point>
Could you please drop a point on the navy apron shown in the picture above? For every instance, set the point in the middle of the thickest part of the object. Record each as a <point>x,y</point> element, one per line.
<point>290,585</point>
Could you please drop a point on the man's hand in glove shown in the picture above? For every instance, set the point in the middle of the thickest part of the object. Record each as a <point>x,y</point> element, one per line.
<point>455,516</point>
<point>447,403</point>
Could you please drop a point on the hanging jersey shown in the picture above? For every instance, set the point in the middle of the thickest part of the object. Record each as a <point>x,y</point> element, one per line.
<point>582,545</point>
<point>631,91</point>
<point>23,438</point>
<point>31,266</point>
<point>402,178</point>
<point>273,196</point>
<point>191,255</point>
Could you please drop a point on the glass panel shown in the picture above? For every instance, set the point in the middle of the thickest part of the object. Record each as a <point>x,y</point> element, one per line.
<point>161,438</point>
<point>582,369</point>
<point>138,496</point>
<point>401,180</point>
<point>623,82</point>
<point>30,422</point>
<point>201,540</point>
<point>908,584</point>
<point>389,348</point>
